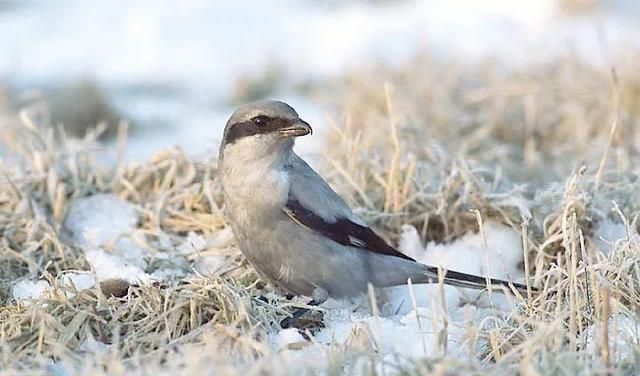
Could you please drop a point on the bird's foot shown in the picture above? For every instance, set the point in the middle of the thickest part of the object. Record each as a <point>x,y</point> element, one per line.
<point>304,319</point>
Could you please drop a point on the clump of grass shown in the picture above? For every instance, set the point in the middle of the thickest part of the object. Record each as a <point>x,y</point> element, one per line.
<point>146,319</point>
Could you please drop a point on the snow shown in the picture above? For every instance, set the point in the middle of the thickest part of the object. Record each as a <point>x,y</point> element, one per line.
<point>466,254</point>
<point>607,233</point>
<point>26,289</point>
<point>394,338</point>
<point>623,335</point>
<point>193,243</point>
<point>104,221</point>
<point>105,227</point>
<point>209,265</point>
<point>504,247</point>
<point>100,219</point>
<point>91,345</point>
<point>193,54</point>
<point>222,239</point>
<point>289,338</point>
<point>208,44</point>
<point>81,281</point>
<point>108,266</point>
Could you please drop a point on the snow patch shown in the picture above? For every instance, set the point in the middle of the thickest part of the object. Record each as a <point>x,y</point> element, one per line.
<point>81,281</point>
<point>192,244</point>
<point>607,233</point>
<point>104,222</point>
<point>623,335</point>
<point>26,290</point>
<point>93,346</point>
<point>208,265</point>
<point>169,47</point>
<point>223,238</point>
<point>100,219</point>
<point>107,266</point>
<point>289,339</point>
<point>466,254</point>
<point>501,258</point>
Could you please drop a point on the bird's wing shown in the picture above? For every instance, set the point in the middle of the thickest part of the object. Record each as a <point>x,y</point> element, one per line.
<point>312,203</point>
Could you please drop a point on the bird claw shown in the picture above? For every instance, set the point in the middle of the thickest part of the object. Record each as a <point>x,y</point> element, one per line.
<point>304,319</point>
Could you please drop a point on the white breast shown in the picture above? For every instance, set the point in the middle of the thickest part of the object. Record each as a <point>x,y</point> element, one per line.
<point>256,185</point>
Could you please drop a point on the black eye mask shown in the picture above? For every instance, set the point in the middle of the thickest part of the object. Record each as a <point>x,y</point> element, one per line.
<point>258,125</point>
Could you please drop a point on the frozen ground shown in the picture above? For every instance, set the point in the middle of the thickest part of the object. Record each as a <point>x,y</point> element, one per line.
<point>174,68</point>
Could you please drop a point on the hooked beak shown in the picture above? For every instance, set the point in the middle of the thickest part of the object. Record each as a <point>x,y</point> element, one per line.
<point>297,128</point>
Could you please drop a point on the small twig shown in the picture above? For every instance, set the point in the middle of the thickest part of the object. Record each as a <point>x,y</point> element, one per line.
<point>376,314</point>
<point>525,252</point>
<point>415,309</point>
<point>391,196</point>
<point>485,249</point>
<point>443,334</point>
<point>615,92</point>
<point>606,309</point>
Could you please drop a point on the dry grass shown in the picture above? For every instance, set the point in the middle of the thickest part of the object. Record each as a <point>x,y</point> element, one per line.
<point>550,150</point>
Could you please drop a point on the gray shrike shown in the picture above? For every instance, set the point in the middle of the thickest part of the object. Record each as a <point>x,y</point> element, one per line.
<point>293,228</point>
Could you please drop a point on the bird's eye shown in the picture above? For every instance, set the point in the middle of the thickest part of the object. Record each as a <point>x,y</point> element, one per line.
<point>260,120</point>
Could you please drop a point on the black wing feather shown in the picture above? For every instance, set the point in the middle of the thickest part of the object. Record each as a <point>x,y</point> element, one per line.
<point>343,231</point>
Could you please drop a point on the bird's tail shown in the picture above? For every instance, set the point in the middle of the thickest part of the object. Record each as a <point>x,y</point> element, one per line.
<point>459,279</point>
<point>392,271</point>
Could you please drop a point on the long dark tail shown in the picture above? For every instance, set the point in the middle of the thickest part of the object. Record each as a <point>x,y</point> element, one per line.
<point>459,279</point>
<point>386,271</point>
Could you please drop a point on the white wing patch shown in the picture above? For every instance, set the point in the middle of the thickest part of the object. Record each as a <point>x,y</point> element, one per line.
<point>357,242</point>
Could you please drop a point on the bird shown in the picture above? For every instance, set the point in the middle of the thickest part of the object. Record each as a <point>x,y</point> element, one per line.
<point>294,229</point>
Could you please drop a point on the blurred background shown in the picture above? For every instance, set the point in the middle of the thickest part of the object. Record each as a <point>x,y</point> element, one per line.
<point>174,71</point>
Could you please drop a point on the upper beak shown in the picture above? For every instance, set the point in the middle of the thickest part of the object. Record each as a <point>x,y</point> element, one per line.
<point>297,128</point>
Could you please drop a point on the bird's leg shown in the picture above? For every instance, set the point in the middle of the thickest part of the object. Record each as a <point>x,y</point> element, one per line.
<point>319,296</point>
<point>294,320</point>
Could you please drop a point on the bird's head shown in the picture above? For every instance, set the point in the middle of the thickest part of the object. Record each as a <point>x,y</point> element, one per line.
<point>262,127</point>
